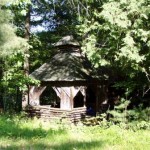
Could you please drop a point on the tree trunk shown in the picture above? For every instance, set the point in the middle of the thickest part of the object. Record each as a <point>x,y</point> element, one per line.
<point>25,97</point>
<point>27,36</point>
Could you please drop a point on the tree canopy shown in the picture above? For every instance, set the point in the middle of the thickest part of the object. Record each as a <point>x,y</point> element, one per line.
<point>9,42</point>
<point>118,37</point>
<point>113,34</point>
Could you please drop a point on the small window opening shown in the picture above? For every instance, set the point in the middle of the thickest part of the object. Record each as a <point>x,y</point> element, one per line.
<point>78,100</point>
<point>49,97</point>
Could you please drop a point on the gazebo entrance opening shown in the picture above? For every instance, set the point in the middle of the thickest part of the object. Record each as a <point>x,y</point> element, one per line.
<point>49,97</point>
<point>72,97</point>
<point>90,101</point>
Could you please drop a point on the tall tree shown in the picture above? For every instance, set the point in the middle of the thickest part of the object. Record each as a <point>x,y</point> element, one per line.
<point>49,20</point>
<point>26,58</point>
<point>27,37</point>
<point>7,32</point>
<point>10,45</point>
<point>117,36</point>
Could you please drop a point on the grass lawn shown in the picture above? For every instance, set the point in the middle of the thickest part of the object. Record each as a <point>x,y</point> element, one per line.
<point>26,134</point>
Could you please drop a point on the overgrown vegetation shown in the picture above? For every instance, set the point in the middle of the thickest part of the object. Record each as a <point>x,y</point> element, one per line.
<point>115,37</point>
<point>133,119</point>
<point>18,132</point>
<point>113,34</point>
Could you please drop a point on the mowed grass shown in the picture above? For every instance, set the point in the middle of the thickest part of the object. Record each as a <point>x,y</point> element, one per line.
<point>18,133</point>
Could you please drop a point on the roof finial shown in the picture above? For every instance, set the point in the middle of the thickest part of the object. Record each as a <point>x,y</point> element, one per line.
<point>67,40</point>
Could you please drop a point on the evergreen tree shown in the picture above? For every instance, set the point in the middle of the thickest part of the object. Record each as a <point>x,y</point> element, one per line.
<point>11,46</point>
<point>9,42</point>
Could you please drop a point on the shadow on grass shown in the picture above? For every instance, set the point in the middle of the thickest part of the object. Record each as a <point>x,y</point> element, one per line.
<point>40,139</point>
<point>70,145</point>
<point>10,129</point>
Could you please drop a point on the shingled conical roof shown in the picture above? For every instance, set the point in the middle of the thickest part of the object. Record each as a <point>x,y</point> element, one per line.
<point>67,65</point>
<point>64,66</point>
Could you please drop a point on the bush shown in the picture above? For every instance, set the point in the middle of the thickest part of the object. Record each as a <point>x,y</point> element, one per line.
<point>135,119</point>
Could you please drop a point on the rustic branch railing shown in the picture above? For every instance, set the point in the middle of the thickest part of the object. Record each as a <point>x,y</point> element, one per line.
<point>48,112</point>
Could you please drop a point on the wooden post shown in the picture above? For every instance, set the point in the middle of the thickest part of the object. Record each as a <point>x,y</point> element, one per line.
<point>34,94</point>
<point>71,97</point>
<point>65,102</point>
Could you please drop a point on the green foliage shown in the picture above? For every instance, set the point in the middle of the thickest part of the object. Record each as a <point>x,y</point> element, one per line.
<point>12,50</point>
<point>14,82</point>
<point>113,34</point>
<point>139,114</point>
<point>20,127</point>
<point>100,120</point>
<point>41,50</point>
<point>116,35</point>
<point>120,112</point>
<point>134,119</point>
<point>19,132</point>
<point>9,42</point>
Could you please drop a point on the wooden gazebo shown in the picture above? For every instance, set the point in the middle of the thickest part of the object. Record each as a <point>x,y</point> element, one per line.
<point>70,84</point>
